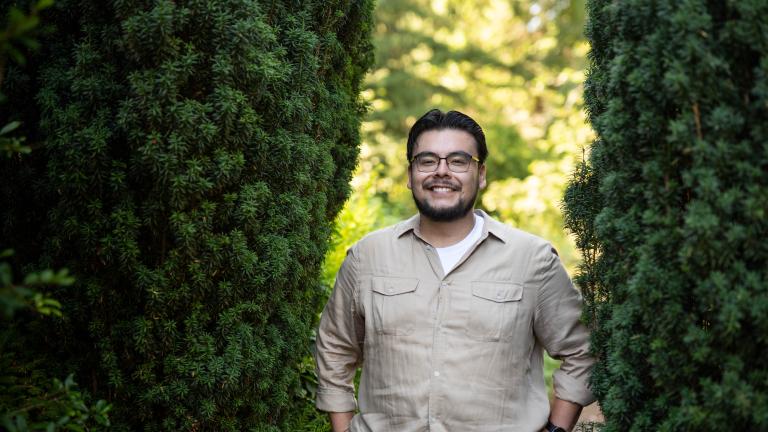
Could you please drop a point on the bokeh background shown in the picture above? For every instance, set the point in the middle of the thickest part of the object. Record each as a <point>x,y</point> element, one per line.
<point>515,66</point>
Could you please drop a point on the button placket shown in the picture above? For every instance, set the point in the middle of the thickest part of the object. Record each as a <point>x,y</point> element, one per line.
<point>437,351</point>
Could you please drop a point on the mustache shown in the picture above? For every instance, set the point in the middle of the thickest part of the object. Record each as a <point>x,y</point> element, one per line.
<point>434,184</point>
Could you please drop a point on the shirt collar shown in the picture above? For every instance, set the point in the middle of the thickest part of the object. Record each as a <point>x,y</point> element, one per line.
<point>491,226</point>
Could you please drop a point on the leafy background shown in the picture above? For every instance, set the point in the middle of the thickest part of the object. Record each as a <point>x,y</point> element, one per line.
<point>517,67</point>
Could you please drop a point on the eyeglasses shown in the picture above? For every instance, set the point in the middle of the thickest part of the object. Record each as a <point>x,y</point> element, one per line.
<point>458,162</point>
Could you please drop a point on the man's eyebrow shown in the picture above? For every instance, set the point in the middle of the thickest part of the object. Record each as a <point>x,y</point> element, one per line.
<point>459,152</point>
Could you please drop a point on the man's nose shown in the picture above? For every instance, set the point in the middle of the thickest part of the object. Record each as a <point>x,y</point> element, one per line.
<point>442,168</point>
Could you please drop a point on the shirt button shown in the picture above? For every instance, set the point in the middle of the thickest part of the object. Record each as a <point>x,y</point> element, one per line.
<point>499,296</point>
<point>437,374</point>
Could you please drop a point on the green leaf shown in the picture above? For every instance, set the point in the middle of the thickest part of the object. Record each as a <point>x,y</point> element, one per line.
<point>17,56</point>
<point>10,127</point>
<point>46,276</point>
<point>42,4</point>
<point>21,423</point>
<point>16,15</point>
<point>6,274</point>
<point>8,424</point>
<point>62,278</point>
<point>30,43</point>
<point>69,381</point>
<point>32,279</point>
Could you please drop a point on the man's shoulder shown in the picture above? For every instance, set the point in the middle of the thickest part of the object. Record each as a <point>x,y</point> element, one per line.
<point>512,236</point>
<point>383,235</point>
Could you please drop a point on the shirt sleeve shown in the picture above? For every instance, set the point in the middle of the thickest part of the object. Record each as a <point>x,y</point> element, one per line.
<point>558,326</point>
<point>339,343</point>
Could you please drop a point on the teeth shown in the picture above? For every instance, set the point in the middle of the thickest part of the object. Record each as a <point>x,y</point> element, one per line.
<point>441,189</point>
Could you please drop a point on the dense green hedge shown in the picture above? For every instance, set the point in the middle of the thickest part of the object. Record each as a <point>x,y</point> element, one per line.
<point>670,213</point>
<point>193,155</point>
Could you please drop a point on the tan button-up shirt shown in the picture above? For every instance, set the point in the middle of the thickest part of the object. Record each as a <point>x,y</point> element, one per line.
<point>456,352</point>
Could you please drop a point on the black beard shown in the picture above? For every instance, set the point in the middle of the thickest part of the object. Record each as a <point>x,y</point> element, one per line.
<point>449,214</point>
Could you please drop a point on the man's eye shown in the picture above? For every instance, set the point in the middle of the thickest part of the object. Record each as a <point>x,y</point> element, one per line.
<point>429,161</point>
<point>459,162</point>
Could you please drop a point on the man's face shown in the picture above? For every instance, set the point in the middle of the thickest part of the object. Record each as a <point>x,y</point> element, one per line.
<point>444,195</point>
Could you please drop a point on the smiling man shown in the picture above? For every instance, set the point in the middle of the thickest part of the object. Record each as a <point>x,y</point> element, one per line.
<point>449,312</point>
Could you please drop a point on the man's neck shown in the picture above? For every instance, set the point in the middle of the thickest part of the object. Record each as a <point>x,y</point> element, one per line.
<point>443,234</point>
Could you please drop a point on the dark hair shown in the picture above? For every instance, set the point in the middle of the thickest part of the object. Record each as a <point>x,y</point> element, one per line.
<point>438,120</point>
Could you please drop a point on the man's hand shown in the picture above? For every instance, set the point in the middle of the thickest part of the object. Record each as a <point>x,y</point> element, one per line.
<point>340,421</point>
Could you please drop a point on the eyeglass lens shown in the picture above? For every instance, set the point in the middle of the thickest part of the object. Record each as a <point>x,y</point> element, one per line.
<point>429,162</point>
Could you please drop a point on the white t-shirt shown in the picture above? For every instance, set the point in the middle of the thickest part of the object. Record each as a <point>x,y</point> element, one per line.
<point>450,255</point>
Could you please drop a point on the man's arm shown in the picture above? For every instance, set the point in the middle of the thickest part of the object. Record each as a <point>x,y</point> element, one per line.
<point>340,421</point>
<point>339,347</point>
<point>558,326</point>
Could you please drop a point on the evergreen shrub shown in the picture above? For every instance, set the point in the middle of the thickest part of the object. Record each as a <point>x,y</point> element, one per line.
<point>193,155</point>
<point>670,209</point>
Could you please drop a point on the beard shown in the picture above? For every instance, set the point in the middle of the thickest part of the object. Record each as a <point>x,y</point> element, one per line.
<point>446,214</point>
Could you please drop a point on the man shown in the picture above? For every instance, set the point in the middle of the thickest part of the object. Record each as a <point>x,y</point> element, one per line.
<point>448,312</point>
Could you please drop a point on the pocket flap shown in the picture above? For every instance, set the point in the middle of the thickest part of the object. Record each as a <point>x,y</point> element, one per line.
<point>498,291</point>
<point>393,286</point>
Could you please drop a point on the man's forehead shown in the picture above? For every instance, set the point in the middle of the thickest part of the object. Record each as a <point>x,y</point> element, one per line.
<point>452,139</point>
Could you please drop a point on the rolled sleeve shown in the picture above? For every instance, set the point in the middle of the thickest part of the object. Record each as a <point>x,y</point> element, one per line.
<point>339,343</point>
<point>335,401</point>
<point>558,327</point>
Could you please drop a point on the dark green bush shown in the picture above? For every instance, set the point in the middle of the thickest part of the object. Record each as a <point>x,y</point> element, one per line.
<point>193,156</point>
<point>670,213</point>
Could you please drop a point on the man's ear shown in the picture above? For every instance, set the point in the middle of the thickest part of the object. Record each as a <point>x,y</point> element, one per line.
<point>409,178</point>
<point>481,177</point>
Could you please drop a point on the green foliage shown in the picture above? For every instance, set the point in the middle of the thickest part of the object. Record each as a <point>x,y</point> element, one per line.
<point>195,155</point>
<point>11,145</point>
<point>27,294</point>
<point>669,211</point>
<point>60,406</point>
<point>19,33</point>
<point>363,213</point>
<point>19,36</point>
<point>30,399</point>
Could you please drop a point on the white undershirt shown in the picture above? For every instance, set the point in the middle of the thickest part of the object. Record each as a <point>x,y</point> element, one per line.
<point>450,255</point>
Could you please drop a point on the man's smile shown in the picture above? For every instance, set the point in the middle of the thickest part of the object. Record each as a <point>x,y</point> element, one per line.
<point>441,187</point>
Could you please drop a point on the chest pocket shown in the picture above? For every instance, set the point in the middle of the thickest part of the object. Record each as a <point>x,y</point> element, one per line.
<point>493,310</point>
<point>394,305</point>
